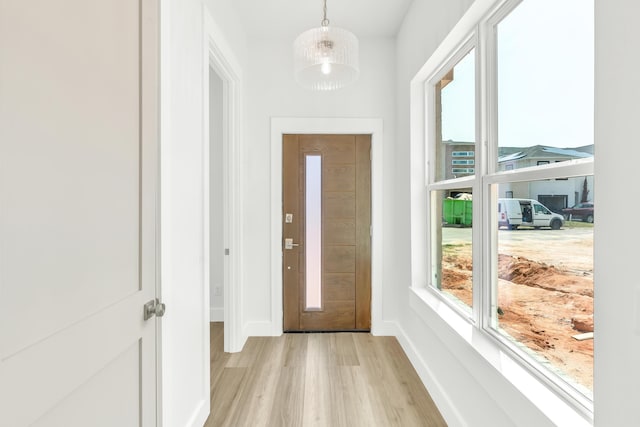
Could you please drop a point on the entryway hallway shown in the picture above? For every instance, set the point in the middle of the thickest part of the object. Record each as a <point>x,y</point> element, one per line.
<point>322,379</point>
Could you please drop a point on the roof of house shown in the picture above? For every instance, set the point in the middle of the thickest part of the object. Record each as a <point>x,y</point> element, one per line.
<point>543,152</point>
<point>506,154</point>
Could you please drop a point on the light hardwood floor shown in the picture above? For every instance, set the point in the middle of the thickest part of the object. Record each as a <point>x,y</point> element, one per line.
<point>327,379</point>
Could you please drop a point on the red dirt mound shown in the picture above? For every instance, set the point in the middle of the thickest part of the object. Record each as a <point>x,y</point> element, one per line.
<point>542,307</point>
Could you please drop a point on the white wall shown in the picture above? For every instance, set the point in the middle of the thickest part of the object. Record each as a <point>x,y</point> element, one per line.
<point>184,379</point>
<point>230,24</point>
<point>216,194</point>
<point>617,283</point>
<point>185,351</point>
<point>271,91</point>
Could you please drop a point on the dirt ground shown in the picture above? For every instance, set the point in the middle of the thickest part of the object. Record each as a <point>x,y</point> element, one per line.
<point>540,305</point>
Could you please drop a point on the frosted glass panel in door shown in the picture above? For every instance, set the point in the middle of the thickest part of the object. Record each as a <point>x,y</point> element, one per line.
<point>313,232</point>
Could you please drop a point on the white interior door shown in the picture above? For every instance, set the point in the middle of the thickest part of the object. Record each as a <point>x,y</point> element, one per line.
<point>78,177</point>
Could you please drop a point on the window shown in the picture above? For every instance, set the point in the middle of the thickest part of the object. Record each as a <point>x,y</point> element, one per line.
<point>454,92</point>
<point>499,250</point>
<point>451,262</point>
<point>463,154</point>
<point>542,286</point>
<point>454,97</point>
<point>523,59</point>
<point>463,162</point>
<point>462,171</point>
<point>531,117</point>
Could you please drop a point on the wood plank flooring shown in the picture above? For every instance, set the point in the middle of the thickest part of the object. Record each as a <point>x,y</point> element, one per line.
<point>324,380</point>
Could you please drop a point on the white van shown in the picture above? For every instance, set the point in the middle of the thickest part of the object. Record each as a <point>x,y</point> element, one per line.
<point>513,213</point>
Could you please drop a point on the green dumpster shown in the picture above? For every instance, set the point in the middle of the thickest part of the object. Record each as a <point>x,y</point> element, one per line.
<point>457,212</point>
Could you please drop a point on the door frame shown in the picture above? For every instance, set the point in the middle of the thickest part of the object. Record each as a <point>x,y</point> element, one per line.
<point>366,126</point>
<point>219,56</point>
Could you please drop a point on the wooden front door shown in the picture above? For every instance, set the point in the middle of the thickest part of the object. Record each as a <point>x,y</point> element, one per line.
<point>327,232</point>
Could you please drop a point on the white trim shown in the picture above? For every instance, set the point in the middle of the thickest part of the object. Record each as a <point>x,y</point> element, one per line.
<point>200,415</point>
<point>204,408</point>
<point>374,127</point>
<point>566,169</point>
<point>216,314</point>
<point>163,241</point>
<point>219,56</point>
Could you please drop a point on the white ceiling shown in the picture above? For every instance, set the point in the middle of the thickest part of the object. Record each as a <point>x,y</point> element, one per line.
<point>288,18</point>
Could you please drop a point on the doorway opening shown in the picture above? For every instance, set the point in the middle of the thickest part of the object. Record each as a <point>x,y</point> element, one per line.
<point>222,210</point>
<point>218,207</point>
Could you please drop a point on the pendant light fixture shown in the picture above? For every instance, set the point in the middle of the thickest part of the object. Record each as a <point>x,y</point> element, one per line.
<point>326,58</point>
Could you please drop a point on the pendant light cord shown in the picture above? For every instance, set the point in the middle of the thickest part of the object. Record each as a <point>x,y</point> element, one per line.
<point>325,21</point>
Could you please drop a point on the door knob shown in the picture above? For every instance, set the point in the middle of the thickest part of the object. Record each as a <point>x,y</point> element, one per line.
<point>288,243</point>
<point>154,308</point>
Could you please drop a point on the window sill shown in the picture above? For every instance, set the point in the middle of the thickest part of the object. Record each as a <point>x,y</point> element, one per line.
<point>431,309</point>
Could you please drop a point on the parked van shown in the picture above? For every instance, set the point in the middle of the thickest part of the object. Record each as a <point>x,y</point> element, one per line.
<point>513,213</point>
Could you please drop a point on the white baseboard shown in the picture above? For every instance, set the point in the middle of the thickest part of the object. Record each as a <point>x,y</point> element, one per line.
<point>216,314</point>
<point>442,400</point>
<point>258,329</point>
<point>200,415</point>
<point>384,329</point>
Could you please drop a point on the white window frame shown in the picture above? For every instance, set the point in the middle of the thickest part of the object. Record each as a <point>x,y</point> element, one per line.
<point>466,45</point>
<point>476,29</point>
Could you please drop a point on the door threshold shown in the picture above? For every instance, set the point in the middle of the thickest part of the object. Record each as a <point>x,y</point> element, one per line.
<point>363,331</point>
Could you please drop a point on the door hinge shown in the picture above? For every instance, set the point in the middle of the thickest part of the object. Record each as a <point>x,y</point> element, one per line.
<point>154,308</point>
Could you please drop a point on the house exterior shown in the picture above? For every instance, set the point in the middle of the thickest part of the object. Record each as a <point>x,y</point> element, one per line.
<point>511,158</point>
<point>459,161</point>
<point>555,194</point>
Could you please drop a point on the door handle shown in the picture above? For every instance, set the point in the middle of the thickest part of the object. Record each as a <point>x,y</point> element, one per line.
<point>288,244</point>
<point>154,308</point>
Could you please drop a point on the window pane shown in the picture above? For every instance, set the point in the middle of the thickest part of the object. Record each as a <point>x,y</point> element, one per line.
<point>451,261</point>
<point>455,120</point>
<point>313,232</point>
<point>543,275</point>
<point>545,83</point>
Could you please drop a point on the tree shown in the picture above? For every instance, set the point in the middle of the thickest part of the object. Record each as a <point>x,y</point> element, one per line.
<point>585,191</point>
